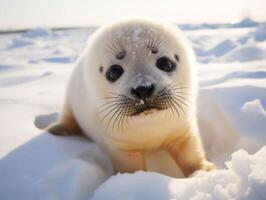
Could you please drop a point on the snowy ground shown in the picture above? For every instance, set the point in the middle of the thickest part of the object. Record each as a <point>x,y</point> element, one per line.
<point>34,68</point>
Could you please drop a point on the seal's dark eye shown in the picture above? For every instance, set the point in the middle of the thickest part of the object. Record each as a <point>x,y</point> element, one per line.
<point>165,64</point>
<point>114,72</point>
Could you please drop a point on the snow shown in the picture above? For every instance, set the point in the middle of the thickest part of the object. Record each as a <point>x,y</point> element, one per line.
<point>136,34</point>
<point>39,33</point>
<point>241,44</point>
<point>244,178</point>
<point>259,34</point>
<point>246,22</point>
<point>254,108</point>
<point>52,167</point>
<point>246,53</point>
<point>34,69</point>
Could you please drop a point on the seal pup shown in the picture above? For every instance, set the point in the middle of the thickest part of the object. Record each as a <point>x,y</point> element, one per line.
<point>134,90</point>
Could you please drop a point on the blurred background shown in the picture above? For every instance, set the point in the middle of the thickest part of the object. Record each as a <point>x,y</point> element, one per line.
<point>22,14</point>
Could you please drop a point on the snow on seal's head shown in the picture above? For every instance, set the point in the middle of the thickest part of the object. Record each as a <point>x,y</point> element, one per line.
<point>142,71</point>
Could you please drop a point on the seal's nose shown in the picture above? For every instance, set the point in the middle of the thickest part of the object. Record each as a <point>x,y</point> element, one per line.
<point>143,91</point>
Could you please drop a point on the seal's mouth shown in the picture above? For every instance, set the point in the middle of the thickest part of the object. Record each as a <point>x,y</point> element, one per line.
<point>119,108</point>
<point>145,109</point>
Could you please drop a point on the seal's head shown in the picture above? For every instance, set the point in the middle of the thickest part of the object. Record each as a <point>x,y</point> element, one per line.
<point>145,71</point>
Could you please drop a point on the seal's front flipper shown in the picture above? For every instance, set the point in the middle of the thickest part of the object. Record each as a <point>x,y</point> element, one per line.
<point>58,129</point>
<point>66,125</point>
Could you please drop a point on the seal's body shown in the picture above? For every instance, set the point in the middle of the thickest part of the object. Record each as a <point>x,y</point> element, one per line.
<point>134,90</point>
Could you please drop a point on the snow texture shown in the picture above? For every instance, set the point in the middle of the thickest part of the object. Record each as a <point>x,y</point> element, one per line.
<point>244,178</point>
<point>34,69</point>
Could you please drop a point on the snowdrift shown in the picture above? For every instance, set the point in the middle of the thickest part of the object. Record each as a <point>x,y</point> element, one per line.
<point>244,178</point>
<point>49,167</point>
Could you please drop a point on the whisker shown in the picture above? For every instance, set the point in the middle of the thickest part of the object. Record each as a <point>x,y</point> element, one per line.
<point>177,111</point>
<point>120,113</point>
<point>169,103</point>
<point>182,97</point>
<point>121,121</point>
<point>179,91</point>
<point>181,101</point>
<point>179,106</point>
<point>113,97</point>
<point>109,113</point>
<point>109,102</point>
<point>174,105</point>
<point>114,50</point>
<point>121,45</point>
<point>176,102</point>
<point>110,120</point>
<point>124,96</point>
<point>105,109</point>
<point>185,93</point>
<point>115,47</point>
<point>175,87</point>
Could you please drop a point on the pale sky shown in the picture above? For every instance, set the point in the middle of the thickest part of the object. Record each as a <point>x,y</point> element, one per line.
<point>16,14</point>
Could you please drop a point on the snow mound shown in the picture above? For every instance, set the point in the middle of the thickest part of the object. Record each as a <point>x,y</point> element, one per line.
<point>222,48</point>
<point>244,178</point>
<point>18,43</point>
<point>246,22</point>
<point>254,115</point>
<point>53,167</point>
<point>62,59</point>
<point>38,32</point>
<point>260,33</point>
<point>245,53</point>
<point>254,108</point>
<point>231,45</point>
<point>43,121</point>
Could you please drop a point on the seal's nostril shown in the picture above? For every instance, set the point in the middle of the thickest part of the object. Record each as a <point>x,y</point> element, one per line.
<point>143,92</point>
<point>151,90</point>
